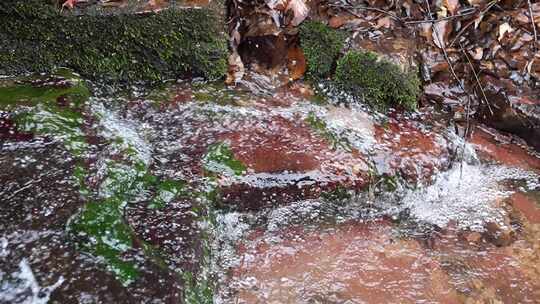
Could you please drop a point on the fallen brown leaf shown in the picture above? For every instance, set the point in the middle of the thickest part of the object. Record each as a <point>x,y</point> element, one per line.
<point>299,9</point>
<point>441,31</point>
<point>452,6</point>
<point>337,21</point>
<point>296,62</point>
<point>236,69</point>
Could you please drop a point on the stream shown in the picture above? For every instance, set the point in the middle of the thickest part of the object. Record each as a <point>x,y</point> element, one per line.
<point>195,192</point>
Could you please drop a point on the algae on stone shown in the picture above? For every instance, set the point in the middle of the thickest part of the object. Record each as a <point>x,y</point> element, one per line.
<point>377,81</point>
<point>48,105</point>
<point>173,43</point>
<point>320,127</point>
<point>219,159</point>
<point>321,45</point>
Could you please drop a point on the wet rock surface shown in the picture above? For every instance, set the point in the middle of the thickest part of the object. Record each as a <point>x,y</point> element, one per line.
<point>198,193</point>
<point>33,188</point>
<point>40,260</point>
<point>359,262</point>
<point>513,110</point>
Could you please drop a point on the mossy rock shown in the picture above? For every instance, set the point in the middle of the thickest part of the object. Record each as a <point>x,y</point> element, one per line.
<point>377,81</point>
<point>37,37</point>
<point>321,45</point>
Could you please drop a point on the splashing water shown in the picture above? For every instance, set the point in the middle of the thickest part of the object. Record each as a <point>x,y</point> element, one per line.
<point>342,244</point>
<point>26,288</point>
<point>466,196</point>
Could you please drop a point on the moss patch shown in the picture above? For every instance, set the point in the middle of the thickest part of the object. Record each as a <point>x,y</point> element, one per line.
<point>121,48</point>
<point>100,227</point>
<point>107,235</point>
<point>32,90</point>
<point>52,106</point>
<point>321,45</point>
<point>320,127</point>
<point>379,82</point>
<point>219,159</point>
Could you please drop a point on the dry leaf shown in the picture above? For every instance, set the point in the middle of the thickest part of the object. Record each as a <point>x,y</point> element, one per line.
<point>276,4</point>
<point>299,9</point>
<point>337,21</point>
<point>260,24</point>
<point>452,6</point>
<point>426,31</point>
<point>296,62</point>
<point>236,69</point>
<point>155,5</point>
<point>113,3</point>
<point>385,22</point>
<point>441,30</point>
<point>477,53</point>
<point>503,29</point>
<point>236,38</point>
<point>197,3</point>
<point>69,4</point>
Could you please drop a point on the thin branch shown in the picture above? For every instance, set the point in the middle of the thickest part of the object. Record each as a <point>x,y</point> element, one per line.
<point>468,105</point>
<point>367,8</point>
<point>533,24</point>
<point>467,13</point>
<point>482,13</point>
<point>477,79</point>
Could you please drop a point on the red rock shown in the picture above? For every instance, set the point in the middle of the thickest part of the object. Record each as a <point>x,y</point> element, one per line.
<point>8,129</point>
<point>512,109</point>
<point>528,206</point>
<point>491,145</point>
<point>356,262</point>
<point>405,148</point>
<point>484,273</point>
<point>286,161</point>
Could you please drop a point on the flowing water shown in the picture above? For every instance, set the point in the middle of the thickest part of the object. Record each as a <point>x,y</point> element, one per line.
<point>195,193</point>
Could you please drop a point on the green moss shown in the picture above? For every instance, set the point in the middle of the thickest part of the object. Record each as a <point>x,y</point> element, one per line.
<point>44,114</point>
<point>100,227</point>
<point>339,194</point>
<point>58,123</point>
<point>107,236</point>
<point>200,288</point>
<point>119,47</point>
<point>197,290</point>
<point>35,89</point>
<point>379,82</point>
<point>218,92</point>
<point>167,190</point>
<point>219,159</point>
<point>321,45</point>
<point>320,127</point>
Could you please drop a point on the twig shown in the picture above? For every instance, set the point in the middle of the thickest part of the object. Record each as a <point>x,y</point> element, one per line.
<point>533,24</point>
<point>367,8</point>
<point>468,106</point>
<point>477,79</point>
<point>482,13</point>
<point>470,12</point>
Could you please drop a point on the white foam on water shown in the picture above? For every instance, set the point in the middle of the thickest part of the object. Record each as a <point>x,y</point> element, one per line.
<point>113,127</point>
<point>354,125</point>
<point>25,288</point>
<point>280,217</point>
<point>231,228</point>
<point>465,195</point>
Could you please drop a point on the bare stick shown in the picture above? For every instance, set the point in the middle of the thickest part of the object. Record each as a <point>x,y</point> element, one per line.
<point>467,13</point>
<point>533,24</point>
<point>477,79</point>
<point>367,8</point>
<point>468,105</point>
